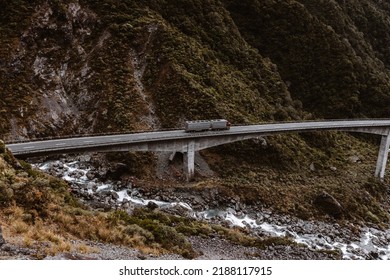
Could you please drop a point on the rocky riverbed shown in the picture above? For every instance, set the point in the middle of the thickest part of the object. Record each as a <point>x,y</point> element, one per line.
<point>317,239</point>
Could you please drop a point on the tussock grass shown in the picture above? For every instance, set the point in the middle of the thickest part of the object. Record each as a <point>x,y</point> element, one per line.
<point>38,211</point>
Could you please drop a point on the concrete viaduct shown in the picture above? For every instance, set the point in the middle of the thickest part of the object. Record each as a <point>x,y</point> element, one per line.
<point>189,143</point>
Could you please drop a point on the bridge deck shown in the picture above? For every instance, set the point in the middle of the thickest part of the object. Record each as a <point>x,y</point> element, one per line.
<point>179,140</point>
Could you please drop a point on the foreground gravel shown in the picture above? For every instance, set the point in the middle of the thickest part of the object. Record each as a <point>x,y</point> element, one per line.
<point>207,248</point>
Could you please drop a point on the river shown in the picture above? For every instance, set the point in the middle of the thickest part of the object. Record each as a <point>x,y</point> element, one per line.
<point>371,244</point>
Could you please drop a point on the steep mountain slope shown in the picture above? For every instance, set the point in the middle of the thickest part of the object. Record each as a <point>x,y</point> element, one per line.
<point>86,66</point>
<point>334,54</point>
<point>82,66</point>
<point>97,66</point>
<point>89,66</point>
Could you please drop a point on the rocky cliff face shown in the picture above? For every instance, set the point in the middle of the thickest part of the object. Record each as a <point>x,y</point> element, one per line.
<point>91,66</point>
<point>46,72</point>
<point>61,71</point>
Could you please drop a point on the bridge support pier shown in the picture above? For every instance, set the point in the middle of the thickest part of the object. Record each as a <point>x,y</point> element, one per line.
<point>382,157</point>
<point>189,160</point>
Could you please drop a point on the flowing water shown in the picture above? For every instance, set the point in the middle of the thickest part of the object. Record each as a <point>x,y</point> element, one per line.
<point>372,243</point>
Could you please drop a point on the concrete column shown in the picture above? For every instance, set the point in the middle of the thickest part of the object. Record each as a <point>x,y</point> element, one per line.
<point>189,160</point>
<point>382,157</point>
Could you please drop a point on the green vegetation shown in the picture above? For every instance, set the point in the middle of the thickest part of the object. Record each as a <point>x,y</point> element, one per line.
<point>171,231</point>
<point>260,61</point>
<point>321,51</point>
<point>277,179</point>
<point>38,209</point>
<point>72,67</point>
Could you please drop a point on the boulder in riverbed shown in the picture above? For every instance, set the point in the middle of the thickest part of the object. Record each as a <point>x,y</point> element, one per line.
<point>152,205</point>
<point>329,205</point>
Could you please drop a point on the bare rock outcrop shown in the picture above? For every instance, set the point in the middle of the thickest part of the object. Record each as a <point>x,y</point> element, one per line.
<point>329,205</point>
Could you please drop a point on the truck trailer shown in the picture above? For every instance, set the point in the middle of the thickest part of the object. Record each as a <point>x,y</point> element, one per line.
<point>206,125</point>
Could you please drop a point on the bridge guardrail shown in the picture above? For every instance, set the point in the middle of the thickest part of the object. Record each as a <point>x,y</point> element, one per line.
<point>176,128</point>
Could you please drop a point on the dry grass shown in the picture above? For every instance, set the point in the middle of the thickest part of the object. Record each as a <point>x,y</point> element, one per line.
<point>150,251</point>
<point>54,235</point>
<point>85,249</point>
<point>62,246</point>
<point>28,241</point>
<point>14,212</point>
<point>3,165</point>
<point>64,229</point>
<point>19,227</point>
